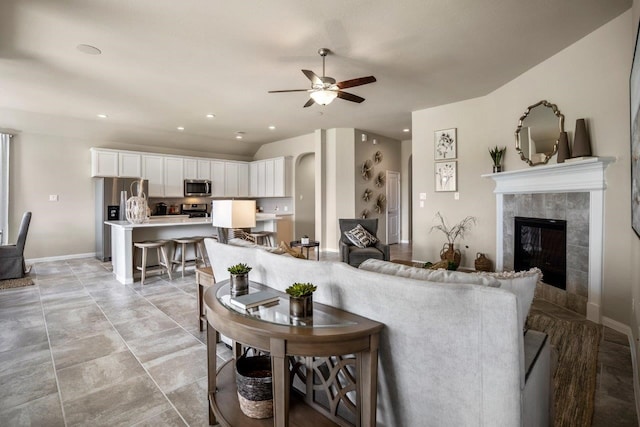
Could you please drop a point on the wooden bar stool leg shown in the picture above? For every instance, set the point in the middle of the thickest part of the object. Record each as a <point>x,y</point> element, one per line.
<point>175,253</point>
<point>144,264</point>
<point>163,249</point>
<point>183,249</point>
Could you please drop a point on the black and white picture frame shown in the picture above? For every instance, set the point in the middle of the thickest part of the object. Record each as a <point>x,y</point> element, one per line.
<point>634,89</point>
<point>445,144</point>
<point>446,176</point>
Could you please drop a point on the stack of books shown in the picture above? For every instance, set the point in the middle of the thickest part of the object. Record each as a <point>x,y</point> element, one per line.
<point>255,299</point>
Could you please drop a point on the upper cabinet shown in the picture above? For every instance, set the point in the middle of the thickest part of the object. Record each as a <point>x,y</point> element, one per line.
<point>104,162</point>
<point>129,165</point>
<point>271,177</point>
<point>166,173</point>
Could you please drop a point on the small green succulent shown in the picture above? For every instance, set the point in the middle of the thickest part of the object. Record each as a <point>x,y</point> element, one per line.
<point>239,269</point>
<point>301,289</point>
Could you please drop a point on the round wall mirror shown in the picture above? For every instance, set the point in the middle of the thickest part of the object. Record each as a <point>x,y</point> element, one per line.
<point>538,132</point>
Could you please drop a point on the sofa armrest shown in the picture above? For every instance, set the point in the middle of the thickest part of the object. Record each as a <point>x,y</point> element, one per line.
<point>385,249</point>
<point>344,251</point>
<point>537,388</point>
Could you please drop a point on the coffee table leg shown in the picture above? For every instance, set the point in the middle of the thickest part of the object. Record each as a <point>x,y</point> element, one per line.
<point>281,383</point>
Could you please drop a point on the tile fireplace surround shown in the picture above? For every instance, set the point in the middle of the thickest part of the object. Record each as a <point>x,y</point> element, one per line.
<point>556,185</point>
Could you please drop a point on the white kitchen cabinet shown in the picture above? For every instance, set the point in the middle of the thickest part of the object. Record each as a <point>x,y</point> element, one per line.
<point>173,177</point>
<point>129,165</point>
<point>204,169</point>
<point>253,179</point>
<point>190,169</point>
<point>269,177</point>
<point>282,176</point>
<point>153,170</point>
<point>261,178</point>
<point>217,178</point>
<point>230,179</point>
<point>243,179</point>
<point>104,162</point>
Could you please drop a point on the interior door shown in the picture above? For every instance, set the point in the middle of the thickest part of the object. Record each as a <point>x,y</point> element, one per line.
<point>393,207</point>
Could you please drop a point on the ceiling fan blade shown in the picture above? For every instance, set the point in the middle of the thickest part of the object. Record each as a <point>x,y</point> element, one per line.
<point>289,90</point>
<point>350,97</point>
<point>309,103</point>
<point>312,76</point>
<point>356,82</point>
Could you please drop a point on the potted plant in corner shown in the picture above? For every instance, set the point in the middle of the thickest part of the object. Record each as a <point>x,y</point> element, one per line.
<point>301,300</point>
<point>239,281</point>
<point>449,252</point>
<point>497,154</point>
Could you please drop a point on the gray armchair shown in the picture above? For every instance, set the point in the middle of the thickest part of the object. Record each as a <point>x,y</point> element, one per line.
<point>354,255</point>
<point>12,264</point>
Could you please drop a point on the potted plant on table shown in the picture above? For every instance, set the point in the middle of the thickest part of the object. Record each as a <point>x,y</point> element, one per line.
<point>301,300</point>
<point>497,154</point>
<point>239,281</point>
<point>449,252</point>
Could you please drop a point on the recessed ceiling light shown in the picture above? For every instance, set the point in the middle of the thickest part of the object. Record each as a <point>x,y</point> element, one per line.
<point>272,127</point>
<point>211,116</point>
<point>239,135</point>
<point>180,128</point>
<point>406,130</point>
<point>102,116</point>
<point>88,49</point>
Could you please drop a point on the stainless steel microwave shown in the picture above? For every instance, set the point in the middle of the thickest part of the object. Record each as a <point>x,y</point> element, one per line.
<point>197,187</point>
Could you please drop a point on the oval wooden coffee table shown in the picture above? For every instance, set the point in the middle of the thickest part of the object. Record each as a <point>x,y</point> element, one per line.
<point>330,358</point>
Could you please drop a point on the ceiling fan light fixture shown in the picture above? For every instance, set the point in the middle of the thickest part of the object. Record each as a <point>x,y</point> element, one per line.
<point>324,97</point>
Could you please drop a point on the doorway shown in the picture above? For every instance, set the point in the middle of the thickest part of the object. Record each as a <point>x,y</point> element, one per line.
<point>393,207</point>
<point>305,196</point>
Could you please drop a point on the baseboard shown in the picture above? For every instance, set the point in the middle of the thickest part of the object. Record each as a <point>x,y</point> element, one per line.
<point>405,241</point>
<point>60,258</point>
<point>624,329</point>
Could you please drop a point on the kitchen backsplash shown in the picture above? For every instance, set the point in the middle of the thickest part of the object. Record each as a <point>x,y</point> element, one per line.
<point>278,205</point>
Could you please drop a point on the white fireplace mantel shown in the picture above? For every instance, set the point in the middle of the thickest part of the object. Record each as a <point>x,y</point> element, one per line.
<point>586,175</point>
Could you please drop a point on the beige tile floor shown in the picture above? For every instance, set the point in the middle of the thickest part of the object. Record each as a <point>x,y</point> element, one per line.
<point>79,348</point>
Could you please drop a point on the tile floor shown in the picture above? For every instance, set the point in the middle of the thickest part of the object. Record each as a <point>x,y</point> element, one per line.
<point>79,348</point>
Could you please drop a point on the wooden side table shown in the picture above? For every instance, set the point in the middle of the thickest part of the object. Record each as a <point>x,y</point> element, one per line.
<point>334,346</point>
<point>312,244</point>
<point>204,279</point>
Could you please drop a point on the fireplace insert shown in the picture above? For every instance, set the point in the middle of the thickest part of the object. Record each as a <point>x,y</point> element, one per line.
<point>542,243</point>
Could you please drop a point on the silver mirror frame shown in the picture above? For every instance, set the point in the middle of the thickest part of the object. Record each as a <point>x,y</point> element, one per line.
<point>559,115</point>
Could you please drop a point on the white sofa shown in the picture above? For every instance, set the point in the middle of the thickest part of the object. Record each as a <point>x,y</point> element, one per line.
<point>451,354</point>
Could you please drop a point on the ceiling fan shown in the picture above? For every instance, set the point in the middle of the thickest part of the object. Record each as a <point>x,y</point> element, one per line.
<point>325,89</point>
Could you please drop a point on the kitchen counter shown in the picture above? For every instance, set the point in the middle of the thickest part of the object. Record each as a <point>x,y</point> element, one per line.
<point>124,235</point>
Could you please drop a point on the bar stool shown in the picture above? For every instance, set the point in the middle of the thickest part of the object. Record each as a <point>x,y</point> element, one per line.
<point>261,238</point>
<point>184,242</point>
<point>163,260</point>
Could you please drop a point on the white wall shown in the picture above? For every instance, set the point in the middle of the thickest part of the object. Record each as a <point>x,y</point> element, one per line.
<point>588,79</point>
<point>43,165</point>
<point>405,179</point>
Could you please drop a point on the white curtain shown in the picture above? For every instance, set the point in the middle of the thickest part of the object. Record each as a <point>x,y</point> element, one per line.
<point>5,139</point>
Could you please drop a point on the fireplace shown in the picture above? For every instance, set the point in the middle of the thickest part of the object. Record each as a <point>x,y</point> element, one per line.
<point>573,191</point>
<point>542,243</point>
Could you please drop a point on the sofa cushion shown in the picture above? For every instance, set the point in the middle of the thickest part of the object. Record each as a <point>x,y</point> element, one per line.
<point>521,283</point>
<point>386,267</point>
<point>360,237</point>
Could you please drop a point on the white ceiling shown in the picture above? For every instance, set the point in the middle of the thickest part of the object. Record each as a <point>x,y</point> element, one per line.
<point>167,63</point>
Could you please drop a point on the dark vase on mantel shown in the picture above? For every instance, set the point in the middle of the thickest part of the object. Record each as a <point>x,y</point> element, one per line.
<point>563,148</point>
<point>497,168</point>
<point>581,141</point>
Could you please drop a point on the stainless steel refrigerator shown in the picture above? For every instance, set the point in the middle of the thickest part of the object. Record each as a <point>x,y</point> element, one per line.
<point>110,206</point>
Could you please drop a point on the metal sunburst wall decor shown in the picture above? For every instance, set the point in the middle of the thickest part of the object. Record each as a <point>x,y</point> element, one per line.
<point>366,170</point>
<point>364,214</point>
<point>377,157</point>
<point>380,203</point>
<point>380,178</point>
<point>366,196</point>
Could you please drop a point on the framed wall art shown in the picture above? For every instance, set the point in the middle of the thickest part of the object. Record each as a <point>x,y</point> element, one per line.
<point>634,89</point>
<point>445,144</point>
<point>446,176</point>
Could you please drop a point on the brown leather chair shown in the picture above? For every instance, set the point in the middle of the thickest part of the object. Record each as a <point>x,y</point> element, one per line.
<point>354,255</point>
<point>12,264</point>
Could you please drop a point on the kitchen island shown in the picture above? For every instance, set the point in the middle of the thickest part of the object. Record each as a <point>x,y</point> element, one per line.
<point>124,234</point>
